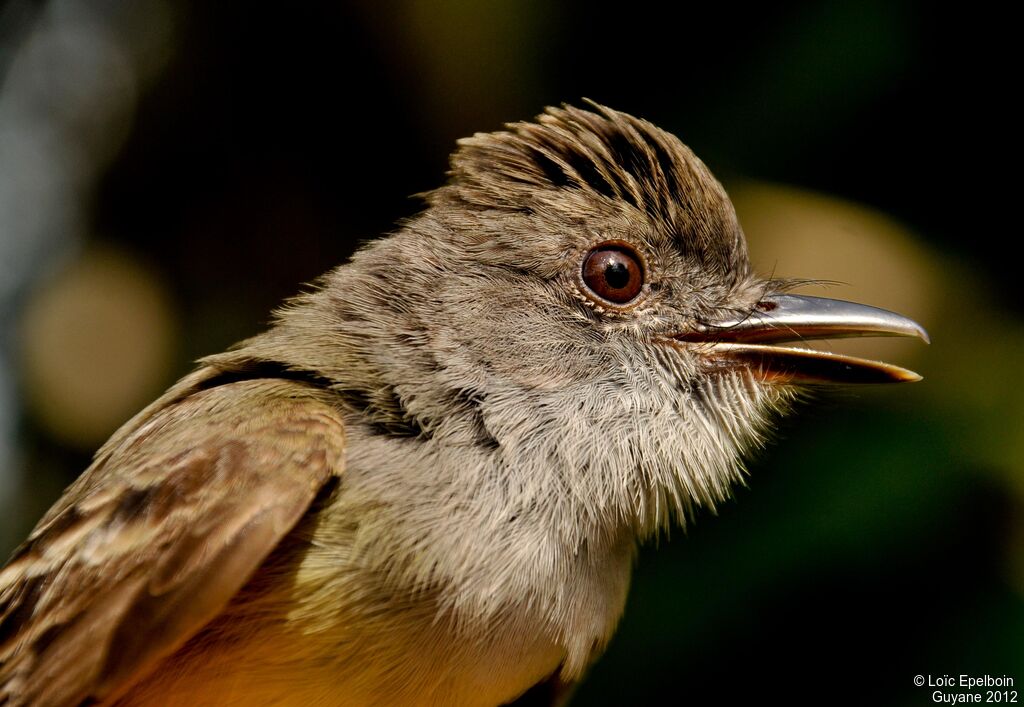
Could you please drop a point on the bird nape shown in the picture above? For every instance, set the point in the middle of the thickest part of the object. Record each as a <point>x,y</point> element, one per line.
<point>426,482</point>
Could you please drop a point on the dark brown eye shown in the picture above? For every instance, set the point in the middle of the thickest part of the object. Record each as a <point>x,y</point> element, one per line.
<point>614,273</point>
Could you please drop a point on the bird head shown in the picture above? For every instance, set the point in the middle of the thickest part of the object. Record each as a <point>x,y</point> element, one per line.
<point>578,303</point>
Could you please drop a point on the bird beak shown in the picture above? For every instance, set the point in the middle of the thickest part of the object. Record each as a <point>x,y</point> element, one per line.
<point>752,341</point>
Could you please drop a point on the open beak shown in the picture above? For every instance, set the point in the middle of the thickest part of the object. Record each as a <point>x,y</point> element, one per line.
<point>752,341</point>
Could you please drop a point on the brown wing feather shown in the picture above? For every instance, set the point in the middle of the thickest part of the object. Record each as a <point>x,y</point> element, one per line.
<point>157,536</point>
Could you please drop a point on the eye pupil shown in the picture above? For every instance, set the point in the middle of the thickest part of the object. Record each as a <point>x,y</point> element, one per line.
<point>613,272</point>
<point>616,275</point>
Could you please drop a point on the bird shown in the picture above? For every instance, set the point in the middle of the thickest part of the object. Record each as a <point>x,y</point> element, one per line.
<point>426,482</point>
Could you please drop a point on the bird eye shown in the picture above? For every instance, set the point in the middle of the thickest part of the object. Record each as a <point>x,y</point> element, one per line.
<point>614,272</point>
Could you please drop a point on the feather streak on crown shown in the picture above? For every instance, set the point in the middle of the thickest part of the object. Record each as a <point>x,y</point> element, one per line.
<point>611,157</point>
<point>610,154</point>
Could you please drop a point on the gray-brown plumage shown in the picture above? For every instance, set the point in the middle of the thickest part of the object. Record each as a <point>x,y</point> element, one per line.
<point>426,482</point>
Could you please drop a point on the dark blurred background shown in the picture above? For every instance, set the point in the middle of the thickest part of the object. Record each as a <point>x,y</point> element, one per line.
<point>170,171</point>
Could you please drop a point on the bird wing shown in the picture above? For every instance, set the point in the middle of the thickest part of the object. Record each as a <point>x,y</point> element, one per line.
<point>158,535</point>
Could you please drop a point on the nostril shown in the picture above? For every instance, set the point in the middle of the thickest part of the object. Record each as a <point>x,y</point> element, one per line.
<point>766,306</point>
